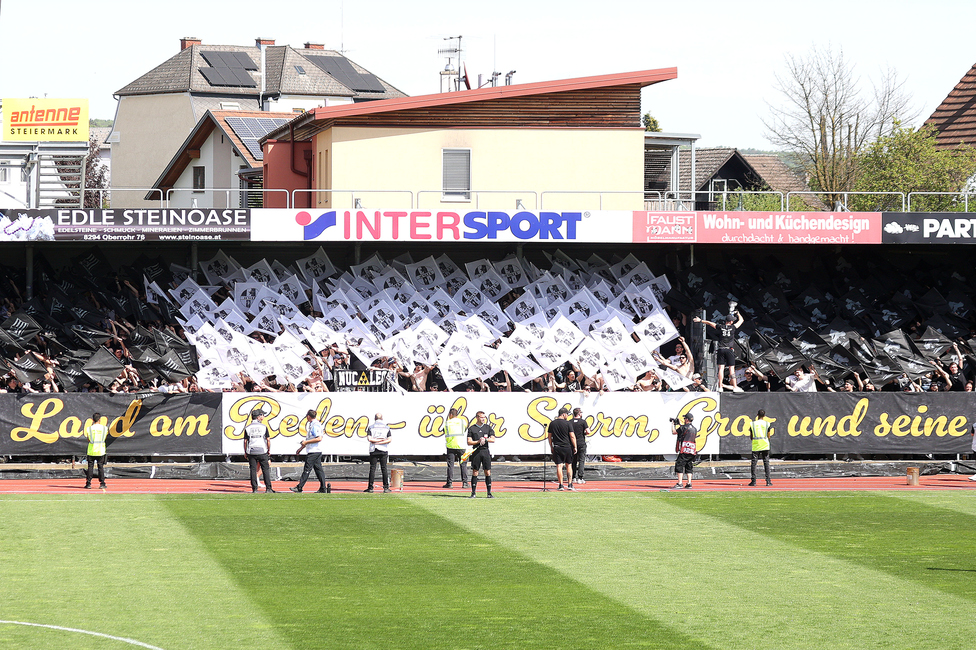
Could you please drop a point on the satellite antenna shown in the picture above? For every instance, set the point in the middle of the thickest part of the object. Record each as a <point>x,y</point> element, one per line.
<point>449,70</point>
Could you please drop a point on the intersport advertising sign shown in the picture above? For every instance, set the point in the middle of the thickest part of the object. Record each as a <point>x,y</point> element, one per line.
<point>441,225</point>
<point>601,226</point>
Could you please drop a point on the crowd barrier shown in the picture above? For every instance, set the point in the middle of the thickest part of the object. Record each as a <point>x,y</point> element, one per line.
<point>620,423</point>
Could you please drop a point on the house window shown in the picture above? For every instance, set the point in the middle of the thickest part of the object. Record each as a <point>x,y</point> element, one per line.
<point>457,174</point>
<point>199,178</point>
<point>4,174</point>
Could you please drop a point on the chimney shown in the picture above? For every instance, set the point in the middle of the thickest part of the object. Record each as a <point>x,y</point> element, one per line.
<point>189,41</point>
<point>314,46</point>
<point>258,42</point>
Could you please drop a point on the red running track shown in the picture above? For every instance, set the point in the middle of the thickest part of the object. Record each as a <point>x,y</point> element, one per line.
<point>184,486</point>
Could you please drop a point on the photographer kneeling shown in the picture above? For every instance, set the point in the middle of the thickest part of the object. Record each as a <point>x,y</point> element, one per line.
<point>685,448</point>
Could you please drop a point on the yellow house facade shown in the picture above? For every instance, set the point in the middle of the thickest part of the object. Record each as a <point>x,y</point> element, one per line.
<point>530,146</point>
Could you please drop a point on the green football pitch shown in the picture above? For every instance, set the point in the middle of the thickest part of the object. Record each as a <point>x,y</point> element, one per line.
<point>527,570</point>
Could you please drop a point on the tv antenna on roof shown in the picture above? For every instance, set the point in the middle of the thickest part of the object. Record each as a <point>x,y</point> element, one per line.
<point>449,70</point>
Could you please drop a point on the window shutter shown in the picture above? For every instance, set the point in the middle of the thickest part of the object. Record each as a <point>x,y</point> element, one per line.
<point>457,173</point>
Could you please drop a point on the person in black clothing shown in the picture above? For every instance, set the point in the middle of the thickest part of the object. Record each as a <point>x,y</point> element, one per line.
<point>562,443</point>
<point>479,435</point>
<point>957,376</point>
<point>754,382</point>
<point>696,385</point>
<point>685,448</point>
<point>725,355</point>
<point>580,430</point>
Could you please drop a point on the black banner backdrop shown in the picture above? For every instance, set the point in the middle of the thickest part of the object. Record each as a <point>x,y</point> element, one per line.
<point>865,423</point>
<point>139,424</point>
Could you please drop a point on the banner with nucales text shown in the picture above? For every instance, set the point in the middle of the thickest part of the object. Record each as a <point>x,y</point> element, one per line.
<point>618,423</point>
<point>139,425</point>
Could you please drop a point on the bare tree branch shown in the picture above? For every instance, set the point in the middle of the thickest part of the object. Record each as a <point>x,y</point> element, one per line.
<point>827,119</point>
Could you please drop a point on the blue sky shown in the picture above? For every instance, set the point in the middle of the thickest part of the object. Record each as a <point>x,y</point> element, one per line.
<point>727,54</point>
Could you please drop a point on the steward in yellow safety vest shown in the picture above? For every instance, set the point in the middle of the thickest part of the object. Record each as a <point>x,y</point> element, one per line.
<point>760,431</point>
<point>96,432</point>
<point>456,439</point>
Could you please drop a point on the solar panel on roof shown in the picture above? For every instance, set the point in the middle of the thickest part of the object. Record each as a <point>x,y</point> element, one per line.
<point>343,72</point>
<point>215,77</point>
<point>214,59</point>
<point>252,129</point>
<point>243,60</point>
<point>242,77</point>
<point>228,69</point>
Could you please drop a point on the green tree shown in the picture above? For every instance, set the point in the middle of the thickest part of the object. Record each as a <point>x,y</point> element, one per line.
<point>909,160</point>
<point>650,123</point>
<point>759,201</point>
<point>96,177</point>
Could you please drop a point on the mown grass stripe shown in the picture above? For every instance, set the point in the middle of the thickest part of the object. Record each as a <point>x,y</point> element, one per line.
<point>128,569</point>
<point>722,571</point>
<point>382,572</point>
<point>902,537</point>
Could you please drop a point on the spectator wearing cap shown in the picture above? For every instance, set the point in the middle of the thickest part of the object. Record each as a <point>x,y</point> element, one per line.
<point>685,447</point>
<point>697,386</point>
<point>257,449</point>
<point>753,381</point>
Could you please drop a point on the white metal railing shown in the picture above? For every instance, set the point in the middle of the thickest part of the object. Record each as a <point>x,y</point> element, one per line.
<point>965,197</point>
<point>738,197</point>
<point>355,202</point>
<point>682,201</point>
<point>685,200</point>
<point>240,193</point>
<point>598,193</point>
<point>106,192</point>
<point>842,207</point>
<point>519,202</point>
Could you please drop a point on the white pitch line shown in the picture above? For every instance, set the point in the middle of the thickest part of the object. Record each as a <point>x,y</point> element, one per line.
<point>71,629</point>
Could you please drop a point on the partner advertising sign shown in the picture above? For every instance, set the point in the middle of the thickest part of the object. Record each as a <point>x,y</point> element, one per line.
<point>929,228</point>
<point>758,227</point>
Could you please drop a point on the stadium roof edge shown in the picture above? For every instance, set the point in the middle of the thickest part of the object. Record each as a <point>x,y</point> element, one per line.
<point>642,78</point>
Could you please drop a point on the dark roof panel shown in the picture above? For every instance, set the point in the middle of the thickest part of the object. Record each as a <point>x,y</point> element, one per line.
<point>955,118</point>
<point>341,69</point>
<point>251,129</point>
<point>184,72</point>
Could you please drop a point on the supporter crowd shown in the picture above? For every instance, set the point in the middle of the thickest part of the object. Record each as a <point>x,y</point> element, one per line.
<point>552,325</point>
